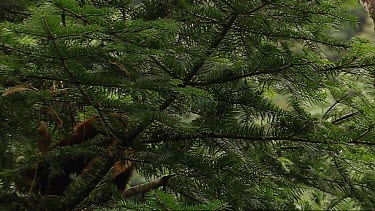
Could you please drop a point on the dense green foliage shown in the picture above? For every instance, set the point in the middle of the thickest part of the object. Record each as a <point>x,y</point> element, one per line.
<point>199,83</point>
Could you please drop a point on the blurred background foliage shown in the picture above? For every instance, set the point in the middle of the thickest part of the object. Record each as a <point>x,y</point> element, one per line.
<point>364,29</point>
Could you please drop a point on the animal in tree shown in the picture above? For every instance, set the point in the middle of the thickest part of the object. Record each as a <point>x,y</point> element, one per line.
<point>369,5</point>
<point>38,177</point>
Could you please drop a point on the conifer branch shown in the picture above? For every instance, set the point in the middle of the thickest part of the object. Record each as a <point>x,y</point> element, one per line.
<point>302,140</point>
<point>238,143</point>
<point>210,50</point>
<point>250,138</point>
<point>89,83</point>
<point>67,70</point>
<point>228,4</point>
<point>347,66</point>
<point>26,14</point>
<point>25,52</point>
<point>355,141</point>
<point>252,73</point>
<point>344,176</point>
<point>143,188</point>
<point>216,42</point>
<point>165,69</point>
<point>337,102</point>
<point>346,116</point>
<point>72,13</point>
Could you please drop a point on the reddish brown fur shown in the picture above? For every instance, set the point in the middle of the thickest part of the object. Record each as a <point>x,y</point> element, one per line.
<point>121,171</point>
<point>81,132</point>
<point>44,140</point>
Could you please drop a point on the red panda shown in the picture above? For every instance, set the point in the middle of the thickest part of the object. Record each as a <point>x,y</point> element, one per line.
<point>81,132</point>
<point>44,140</point>
<point>121,173</point>
<point>39,177</point>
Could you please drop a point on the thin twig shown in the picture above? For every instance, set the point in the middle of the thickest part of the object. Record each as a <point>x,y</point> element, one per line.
<point>346,116</point>
<point>363,135</point>
<point>337,102</point>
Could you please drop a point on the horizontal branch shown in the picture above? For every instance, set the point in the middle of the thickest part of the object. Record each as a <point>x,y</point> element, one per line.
<point>252,73</point>
<point>251,138</point>
<point>296,139</point>
<point>347,66</point>
<point>145,187</point>
<point>90,83</point>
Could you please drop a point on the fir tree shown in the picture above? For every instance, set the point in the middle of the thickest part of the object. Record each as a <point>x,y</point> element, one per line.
<point>186,91</point>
